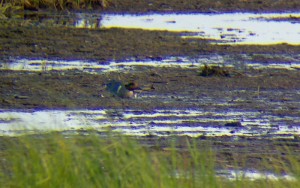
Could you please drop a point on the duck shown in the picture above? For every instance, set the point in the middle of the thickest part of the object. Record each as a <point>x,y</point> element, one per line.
<point>119,89</point>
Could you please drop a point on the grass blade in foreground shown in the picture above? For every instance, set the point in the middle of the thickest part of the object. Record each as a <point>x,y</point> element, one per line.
<point>55,160</point>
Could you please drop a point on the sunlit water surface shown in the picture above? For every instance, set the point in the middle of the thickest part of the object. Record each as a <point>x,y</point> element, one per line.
<point>239,62</point>
<point>228,28</point>
<point>192,123</point>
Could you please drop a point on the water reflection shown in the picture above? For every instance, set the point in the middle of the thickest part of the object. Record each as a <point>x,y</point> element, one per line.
<point>228,28</point>
<point>74,20</point>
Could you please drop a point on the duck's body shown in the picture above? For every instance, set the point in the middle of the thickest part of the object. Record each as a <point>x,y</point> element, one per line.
<point>119,89</point>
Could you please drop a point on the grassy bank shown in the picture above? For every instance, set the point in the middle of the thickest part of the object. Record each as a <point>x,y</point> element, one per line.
<point>15,8</point>
<point>55,160</point>
<point>56,4</point>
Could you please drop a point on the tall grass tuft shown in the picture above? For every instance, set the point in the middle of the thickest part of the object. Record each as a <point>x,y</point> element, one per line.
<point>57,160</point>
<point>90,161</point>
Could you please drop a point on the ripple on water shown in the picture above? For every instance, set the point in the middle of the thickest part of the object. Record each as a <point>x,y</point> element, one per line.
<point>282,61</point>
<point>186,122</point>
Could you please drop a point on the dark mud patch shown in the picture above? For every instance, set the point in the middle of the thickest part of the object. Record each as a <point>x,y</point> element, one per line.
<point>113,44</point>
<point>202,6</point>
<point>85,44</point>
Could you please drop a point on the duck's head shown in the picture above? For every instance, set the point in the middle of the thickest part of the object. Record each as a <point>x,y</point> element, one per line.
<point>132,86</point>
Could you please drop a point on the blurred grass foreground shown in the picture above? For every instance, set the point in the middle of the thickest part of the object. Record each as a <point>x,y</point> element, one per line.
<point>57,160</point>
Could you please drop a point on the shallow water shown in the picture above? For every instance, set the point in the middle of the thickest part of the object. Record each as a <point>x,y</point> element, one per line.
<point>228,28</point>
<point>225,28</point>
<point>186,122</point>
<point>279,61</point>
<point>250,175</point>
<point>209,120</point>
<point>253,175</point>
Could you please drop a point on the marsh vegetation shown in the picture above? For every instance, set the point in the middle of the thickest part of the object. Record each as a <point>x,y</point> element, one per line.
<point>57,160</point>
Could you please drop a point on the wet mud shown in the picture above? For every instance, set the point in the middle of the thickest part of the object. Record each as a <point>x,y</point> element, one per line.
<point>75,89</point>
<point>265,91</point>
<point>114,44</point>
<point>273,93</point>
<point>202,6</point>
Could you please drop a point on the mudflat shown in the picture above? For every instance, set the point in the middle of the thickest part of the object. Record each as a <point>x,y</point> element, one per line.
<point>263,90</point>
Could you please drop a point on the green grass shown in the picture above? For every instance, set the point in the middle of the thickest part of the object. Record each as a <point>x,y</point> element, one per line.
<point>57,4</point>
<point>55,160</point>
<point>15,8</point>
<point>64,4</point>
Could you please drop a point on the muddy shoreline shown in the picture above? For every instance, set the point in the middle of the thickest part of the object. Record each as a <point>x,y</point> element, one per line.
<point>75,89</point>
<point>114,44</point>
